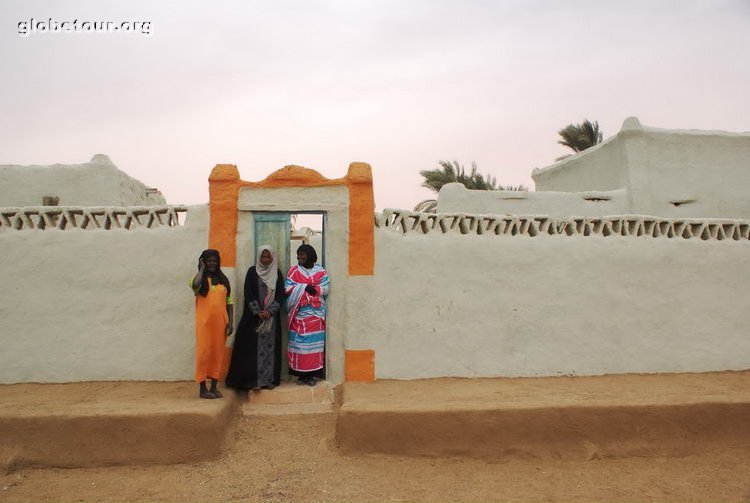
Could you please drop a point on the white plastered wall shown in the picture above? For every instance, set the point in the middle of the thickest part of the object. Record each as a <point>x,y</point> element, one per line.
<point>476,306</point>
<point>334,201</point>
<point>100,305</point>
<point>601,167</point>
<point>95,183</point>
<point>665,172</point>
<point>456,198</point>
<point>689,173</point>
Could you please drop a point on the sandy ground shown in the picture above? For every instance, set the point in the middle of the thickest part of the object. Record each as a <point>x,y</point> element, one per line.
<point>293,459</point>
<point>109,423</point>
<point>573,418</point>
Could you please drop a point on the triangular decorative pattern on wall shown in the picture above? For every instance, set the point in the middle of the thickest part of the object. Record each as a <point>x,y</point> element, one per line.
<point>88,218</point>
<point>408,222</point>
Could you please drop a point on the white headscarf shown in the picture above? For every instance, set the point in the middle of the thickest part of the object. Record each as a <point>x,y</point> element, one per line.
<point>267,274</point>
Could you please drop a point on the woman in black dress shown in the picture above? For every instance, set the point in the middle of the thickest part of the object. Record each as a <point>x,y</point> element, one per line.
<point>256,356</point>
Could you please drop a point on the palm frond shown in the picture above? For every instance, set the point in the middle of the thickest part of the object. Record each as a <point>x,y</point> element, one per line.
<point>454,172</point>
<point>579,137</point>
<point>426,206</point>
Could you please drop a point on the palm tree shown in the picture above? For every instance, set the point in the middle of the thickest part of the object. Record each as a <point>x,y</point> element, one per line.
<point>452,172</point>
<point>581,136</point>
<point>434,179</point>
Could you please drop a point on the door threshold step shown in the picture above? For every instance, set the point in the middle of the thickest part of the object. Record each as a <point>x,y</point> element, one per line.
<point>290,399</point>
<point>250,409</point>
<point>290,393</point>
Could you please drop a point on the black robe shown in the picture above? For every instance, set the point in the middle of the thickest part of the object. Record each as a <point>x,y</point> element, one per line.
<point>243,369</point>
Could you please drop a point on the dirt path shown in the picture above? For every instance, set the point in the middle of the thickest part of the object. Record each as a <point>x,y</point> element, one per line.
<point>292,459</point>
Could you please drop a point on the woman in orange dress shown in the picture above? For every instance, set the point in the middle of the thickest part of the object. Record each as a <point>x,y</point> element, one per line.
<point>214,314</point>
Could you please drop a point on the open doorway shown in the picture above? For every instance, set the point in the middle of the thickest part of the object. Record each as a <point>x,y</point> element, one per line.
<point>309,229</point>
<point>285,232</point>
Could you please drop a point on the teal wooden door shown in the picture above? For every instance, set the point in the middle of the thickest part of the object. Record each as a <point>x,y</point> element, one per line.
<point>273,229</point>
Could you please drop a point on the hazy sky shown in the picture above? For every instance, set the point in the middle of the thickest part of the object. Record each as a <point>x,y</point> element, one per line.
<point>398,84</point>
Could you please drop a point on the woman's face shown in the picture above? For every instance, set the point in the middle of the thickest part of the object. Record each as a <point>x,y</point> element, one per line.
<point>302,257</point>
<point>266,258</point>
<point>212,263</point>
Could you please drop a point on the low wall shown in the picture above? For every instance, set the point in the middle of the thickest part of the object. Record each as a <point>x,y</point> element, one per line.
<point>456,198</point>
<point>101,294</point>
<point>455,296</point>
<point>98,294</point>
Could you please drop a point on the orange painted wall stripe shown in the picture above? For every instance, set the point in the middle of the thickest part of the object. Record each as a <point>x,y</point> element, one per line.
<point>361,220</point>
<point>359,365</point>
<point>223,194</point>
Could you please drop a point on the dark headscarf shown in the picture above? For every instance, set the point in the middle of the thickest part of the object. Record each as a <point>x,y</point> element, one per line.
<point>217,277</point>
<point>312,257</point>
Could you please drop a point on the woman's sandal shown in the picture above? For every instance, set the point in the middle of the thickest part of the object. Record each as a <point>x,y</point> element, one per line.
<point>217,394</point>
<point>207,394</point>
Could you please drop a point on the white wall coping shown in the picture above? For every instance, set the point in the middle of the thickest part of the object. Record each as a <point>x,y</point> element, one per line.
<point>409,222</point>
<point>89,217</point>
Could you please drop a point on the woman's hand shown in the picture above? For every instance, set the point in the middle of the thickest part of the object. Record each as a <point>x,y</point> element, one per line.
<point>228,330</point>
<point>198,278</point>
<point>311,290</point>
<point>264,315</point>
